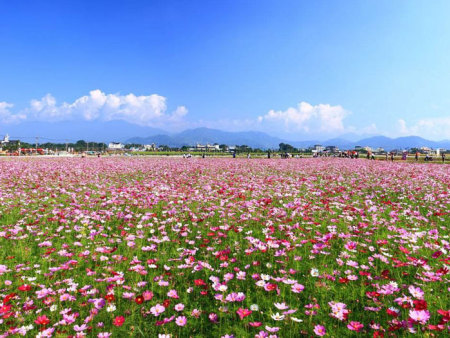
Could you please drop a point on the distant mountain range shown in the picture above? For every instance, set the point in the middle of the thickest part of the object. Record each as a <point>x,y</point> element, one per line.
<point>205,135</point>
<point>264,141</point>
<point>121,131</point>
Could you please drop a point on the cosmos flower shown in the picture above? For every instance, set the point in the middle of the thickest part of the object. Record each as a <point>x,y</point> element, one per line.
<point>277,316</point>
<point>181,320</point>
<point>419,316</point>
<point>118,321</point>
<point>281,306</point>
<point>157,310</point>
<point>242,313</point>
<point>320,330</point>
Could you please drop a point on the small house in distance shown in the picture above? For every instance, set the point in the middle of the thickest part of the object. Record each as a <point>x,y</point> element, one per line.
<point>116,146</point>
<point>332,149</point>
<point>206,147</point>
<point>150,147</point>
<point>319,148</point>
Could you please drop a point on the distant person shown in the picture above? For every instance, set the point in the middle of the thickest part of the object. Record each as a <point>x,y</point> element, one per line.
<point>248,155</point>
<point>392,156</point>
<point>234,154</point>
<point>417,156</point>
<point>268,154</point>
<point>203,155</point>
<point>443,157</point>
<point>386,156</point>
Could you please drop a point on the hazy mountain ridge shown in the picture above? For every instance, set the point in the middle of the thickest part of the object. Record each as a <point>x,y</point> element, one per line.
<point>191,137</point>
<point>254,139</point>
<point>121,131</point>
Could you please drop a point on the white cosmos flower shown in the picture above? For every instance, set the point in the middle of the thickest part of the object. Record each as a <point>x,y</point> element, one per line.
<point>111,308</point>
<point>260,283</point>
<point>314,272</point>
<point>298,320</point>
<point>277,316</point>
<point>265,277</point>
<point>254,307</point>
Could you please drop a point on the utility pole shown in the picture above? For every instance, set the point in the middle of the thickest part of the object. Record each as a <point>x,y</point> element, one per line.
<point>19,149</point>
<point>87,146</point>
<point>37,141</point>
<point>66,145</point>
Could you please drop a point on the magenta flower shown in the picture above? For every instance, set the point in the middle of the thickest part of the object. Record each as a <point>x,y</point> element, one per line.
<point>355,326</point>
<point>242,313</point>
<point>320,330</point>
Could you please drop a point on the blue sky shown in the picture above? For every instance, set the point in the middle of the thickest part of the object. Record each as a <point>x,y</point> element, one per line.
<point>296,69</point>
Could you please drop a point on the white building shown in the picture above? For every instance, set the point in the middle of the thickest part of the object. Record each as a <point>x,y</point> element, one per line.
<point>5,139</point>
<point>207,147</point>
<point>116,146</point>
<point>150,147</point>
<point>319,148</point>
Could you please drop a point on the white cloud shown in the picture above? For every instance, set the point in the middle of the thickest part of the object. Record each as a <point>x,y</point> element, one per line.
<point>6,116</point>
<point>433,128</point>
<point>143,110</point>
<point>308,118</point>
<point>179,113</point>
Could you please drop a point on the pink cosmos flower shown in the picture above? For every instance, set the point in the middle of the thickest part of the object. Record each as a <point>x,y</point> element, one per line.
<point>297,288</point>
<point>47,332</point>
<point>195,313</point>
<point>355,326</point>
<point>320,330</point>
<point>80,328</point>
<point>148,295</point>
<point>181,320</point>
<point>179,307</point>
<point>281,306</point>
<point>416,292</point>
<point>272,329</point>
<point>104,335</point>
<point>173,294</point>
<point>213,317</point>
<point>350,246</point>
<point>157,310</point>
<point>419,316</point>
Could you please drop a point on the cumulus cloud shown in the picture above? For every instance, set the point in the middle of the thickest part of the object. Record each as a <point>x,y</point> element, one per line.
<point>433,128</point>
<point>143,110</point>
<point>6,116</point>
<point>308,118</point>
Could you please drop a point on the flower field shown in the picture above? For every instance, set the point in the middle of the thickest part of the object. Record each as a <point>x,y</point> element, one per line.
<point>117,247</point>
